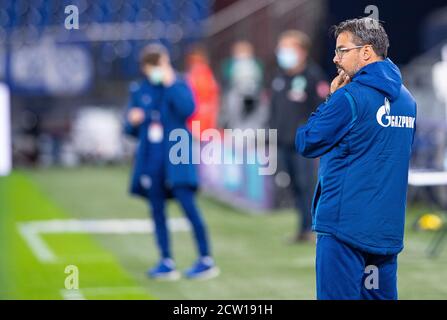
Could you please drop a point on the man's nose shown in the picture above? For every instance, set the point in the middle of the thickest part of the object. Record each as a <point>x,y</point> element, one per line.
<point>336,59</point>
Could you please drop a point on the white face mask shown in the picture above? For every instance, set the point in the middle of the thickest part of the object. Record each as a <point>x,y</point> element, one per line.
<point>287,58</point>
<point>156,75</point>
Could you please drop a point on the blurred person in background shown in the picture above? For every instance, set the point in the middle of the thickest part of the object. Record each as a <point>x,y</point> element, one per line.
<point>243,75</point>
<point>204,87</point>
<point>26,145</point>
<point>159,104</point>
<point>364,134</point>
<point>439,78</point>
<point>299,86</point>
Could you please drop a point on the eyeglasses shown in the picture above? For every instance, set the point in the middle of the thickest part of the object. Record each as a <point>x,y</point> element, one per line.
<point>339,52</point>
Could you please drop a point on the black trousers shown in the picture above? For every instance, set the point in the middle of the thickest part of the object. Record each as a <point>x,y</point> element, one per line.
<point>302,173</point>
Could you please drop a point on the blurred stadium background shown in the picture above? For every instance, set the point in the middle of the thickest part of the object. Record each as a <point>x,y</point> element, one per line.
<point>62,96</point>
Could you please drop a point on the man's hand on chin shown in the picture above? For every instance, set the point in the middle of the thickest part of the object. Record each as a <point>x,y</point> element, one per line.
<point>340,81</point>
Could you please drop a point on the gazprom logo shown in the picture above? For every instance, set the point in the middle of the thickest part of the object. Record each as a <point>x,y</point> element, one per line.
<point>386,120</point>
<point>385,109</point>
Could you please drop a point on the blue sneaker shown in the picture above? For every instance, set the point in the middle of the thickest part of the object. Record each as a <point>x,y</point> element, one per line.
<point>164,270</point>
<point>203,269</point>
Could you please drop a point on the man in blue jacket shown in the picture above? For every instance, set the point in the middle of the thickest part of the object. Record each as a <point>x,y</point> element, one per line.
<point>159,104</point>
<point>363,134</point>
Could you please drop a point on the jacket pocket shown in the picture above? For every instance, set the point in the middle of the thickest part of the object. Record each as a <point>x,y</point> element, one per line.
<point>316,197</point>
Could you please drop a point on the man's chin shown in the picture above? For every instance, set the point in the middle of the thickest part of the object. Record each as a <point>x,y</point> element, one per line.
<point>350,74</point>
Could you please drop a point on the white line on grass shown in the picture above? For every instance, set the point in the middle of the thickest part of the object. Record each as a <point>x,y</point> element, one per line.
<point>31,231</point>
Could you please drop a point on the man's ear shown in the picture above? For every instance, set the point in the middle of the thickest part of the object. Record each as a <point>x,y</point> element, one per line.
<point>368,53</point>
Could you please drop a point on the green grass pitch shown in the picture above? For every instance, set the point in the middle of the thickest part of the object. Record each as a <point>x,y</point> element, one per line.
<point>250,249</point>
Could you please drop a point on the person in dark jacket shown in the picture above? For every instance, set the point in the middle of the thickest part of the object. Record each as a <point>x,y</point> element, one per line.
<point>158,105</point>
<point>363,134</point>
<point>296,90</point>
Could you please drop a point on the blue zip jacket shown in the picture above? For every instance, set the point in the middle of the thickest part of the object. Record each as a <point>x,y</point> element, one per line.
<point>172,105</point>
<point>363,134</point>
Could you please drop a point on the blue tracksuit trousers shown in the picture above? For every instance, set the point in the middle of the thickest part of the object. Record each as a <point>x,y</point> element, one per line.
<point>346,273</point>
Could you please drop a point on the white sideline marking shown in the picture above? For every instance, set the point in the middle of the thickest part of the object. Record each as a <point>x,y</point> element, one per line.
<point>31,231</point>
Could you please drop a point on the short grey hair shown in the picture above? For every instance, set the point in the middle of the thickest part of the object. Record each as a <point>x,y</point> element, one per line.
<point>365,31</point>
